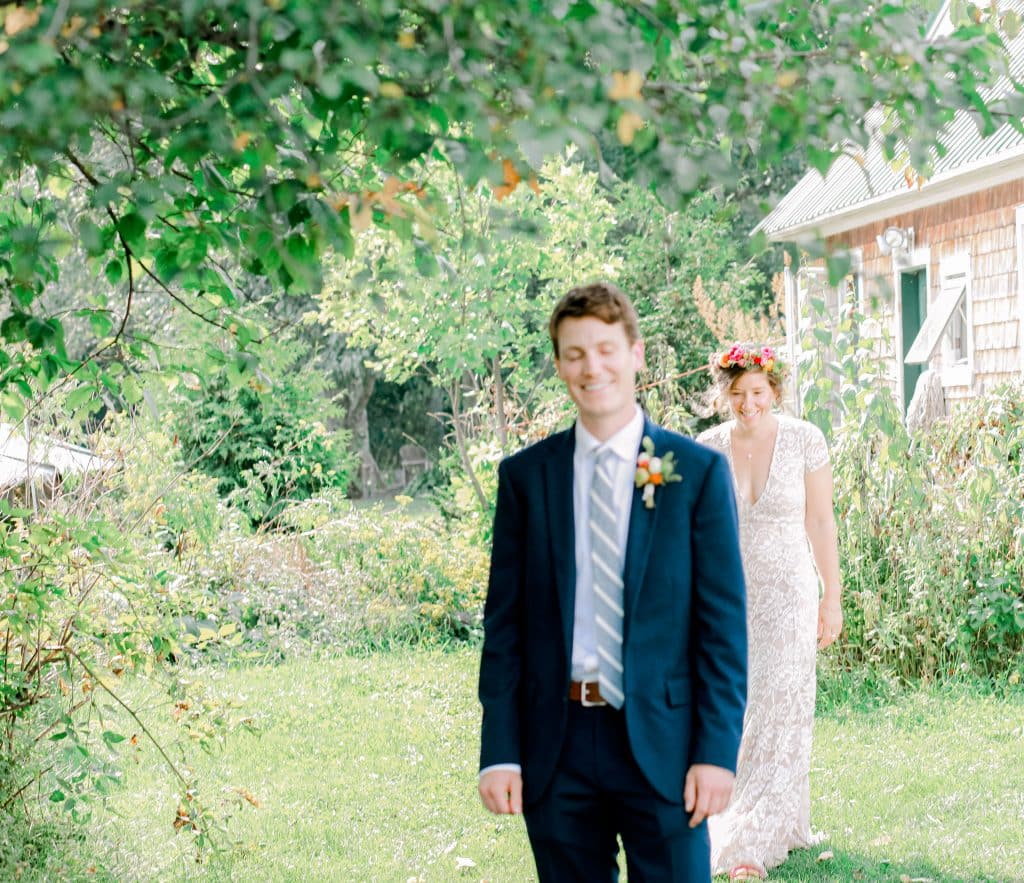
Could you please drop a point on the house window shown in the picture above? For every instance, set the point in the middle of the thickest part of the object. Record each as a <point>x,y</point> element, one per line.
<point>946,328</point>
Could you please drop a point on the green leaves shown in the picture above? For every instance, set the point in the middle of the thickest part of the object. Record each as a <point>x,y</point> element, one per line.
<point>132,229</point>
<point>93,239</point>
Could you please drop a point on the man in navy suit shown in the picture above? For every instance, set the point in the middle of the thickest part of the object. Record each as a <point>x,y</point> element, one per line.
<point>635,735</point>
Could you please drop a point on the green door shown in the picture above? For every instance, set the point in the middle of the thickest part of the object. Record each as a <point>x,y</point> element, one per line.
<point>914,294</point>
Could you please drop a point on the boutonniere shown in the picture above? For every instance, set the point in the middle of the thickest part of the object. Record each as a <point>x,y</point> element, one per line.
<point>652,471</point>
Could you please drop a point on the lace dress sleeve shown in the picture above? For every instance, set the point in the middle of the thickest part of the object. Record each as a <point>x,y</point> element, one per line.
<point>713,438</point>
<point>815,448</point>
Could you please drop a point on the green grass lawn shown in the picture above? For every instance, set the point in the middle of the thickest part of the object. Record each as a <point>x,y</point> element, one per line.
<point>366,771</point>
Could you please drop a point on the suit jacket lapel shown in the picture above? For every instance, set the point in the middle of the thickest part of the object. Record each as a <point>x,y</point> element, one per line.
<point>558,489</point>
<point>641,533</point>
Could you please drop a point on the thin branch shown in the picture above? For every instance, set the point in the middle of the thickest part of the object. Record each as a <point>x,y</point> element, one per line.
<point>10,800</point>
<point>134,716</point>
<point>674,377</point>
<point>59,17</point>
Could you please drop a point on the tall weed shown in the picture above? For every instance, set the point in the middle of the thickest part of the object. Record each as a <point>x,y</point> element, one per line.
<point>929,522</point>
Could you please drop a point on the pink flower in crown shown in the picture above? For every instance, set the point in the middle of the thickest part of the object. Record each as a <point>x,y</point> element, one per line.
<point>737,356</point>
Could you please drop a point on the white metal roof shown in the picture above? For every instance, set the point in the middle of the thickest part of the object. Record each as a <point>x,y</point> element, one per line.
<point>42,456</point>
<point>868,188</point>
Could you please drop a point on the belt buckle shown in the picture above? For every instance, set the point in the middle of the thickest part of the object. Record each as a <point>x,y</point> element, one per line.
<point>585,689</point>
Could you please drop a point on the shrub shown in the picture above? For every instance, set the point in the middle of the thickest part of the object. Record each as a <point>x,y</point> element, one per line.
<point>403,578</point>
<point>931,525</point>
<point>266,441</point>
<point>85,582</point>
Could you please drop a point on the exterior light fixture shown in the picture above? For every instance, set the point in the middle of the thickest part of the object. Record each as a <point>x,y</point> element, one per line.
<point>895,240</point>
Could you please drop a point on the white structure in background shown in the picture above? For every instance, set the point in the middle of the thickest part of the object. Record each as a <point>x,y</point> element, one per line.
<point>37,463</point>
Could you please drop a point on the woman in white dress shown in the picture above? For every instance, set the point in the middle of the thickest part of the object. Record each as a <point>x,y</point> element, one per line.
<point>783,481</point>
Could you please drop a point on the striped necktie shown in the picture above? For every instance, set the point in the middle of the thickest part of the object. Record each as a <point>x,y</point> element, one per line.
<point>606,560</point>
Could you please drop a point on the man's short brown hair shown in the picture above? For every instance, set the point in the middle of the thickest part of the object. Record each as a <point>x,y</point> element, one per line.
<point>603,301</point>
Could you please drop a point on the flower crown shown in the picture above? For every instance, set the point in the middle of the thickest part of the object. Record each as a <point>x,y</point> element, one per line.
<point>748,358</point>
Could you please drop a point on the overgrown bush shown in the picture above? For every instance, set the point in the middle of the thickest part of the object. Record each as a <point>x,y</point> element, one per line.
<point>84,582</point>
<point>332,577</point>
<point>404,578</point>
<point>266,438</point>
<point>931,524</point>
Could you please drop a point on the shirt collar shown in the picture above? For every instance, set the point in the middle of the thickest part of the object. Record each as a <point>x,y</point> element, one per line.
<point>624,444</point>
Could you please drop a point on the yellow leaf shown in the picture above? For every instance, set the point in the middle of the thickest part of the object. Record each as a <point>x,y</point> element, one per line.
<point>786,79</point>
<point>510,178</point>
<point>360,217</point>
<point>627,127</point>
<point>407,39</point>
<point>72,26</point>
<point>59,187</point>
<point>626,85</point>
<point>392,90</point>
<point>314,181</point>
<point>242,140</point>
<point>20,18</point>
<point>247,795</point>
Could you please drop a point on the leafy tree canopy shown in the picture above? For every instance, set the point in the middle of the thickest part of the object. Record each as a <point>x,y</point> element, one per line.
<point>204,136</point>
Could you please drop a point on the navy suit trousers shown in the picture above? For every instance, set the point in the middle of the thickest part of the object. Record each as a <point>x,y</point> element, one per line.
<point>598,794</point>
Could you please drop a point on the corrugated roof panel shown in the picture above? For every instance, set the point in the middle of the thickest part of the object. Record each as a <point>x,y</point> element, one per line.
<point>853,182</point>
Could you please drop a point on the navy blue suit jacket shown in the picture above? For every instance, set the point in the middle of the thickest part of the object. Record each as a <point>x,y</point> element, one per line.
<point>684,641</point>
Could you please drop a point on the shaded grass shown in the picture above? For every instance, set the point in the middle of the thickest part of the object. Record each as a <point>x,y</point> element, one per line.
<point>366,770</point>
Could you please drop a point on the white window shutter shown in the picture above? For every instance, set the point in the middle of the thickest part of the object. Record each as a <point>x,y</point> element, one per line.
<point>954,276</point>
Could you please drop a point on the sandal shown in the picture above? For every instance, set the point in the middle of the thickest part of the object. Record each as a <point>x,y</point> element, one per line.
<point>747,872</point>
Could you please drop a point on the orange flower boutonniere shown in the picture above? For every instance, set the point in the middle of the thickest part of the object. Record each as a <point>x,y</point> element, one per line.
<point>652,471</point>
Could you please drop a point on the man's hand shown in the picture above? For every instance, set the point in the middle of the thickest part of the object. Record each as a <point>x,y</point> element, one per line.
<point>708,791</point>
<point>502,791</point>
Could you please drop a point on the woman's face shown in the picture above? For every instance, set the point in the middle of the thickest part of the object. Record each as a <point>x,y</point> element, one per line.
<point>751,398</point>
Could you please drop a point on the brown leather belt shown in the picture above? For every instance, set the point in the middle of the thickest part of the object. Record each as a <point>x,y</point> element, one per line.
<point>587,693</point>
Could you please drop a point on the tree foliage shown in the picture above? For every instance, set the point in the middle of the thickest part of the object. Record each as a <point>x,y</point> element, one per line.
<point>266,442</point>
<point>262,135</point>
<point>469,310</point>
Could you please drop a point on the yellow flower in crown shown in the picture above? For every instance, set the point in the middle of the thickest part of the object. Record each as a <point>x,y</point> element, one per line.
<point>653,471</point>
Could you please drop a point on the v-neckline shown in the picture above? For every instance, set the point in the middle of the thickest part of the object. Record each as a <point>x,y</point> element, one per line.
<point>771,466</point>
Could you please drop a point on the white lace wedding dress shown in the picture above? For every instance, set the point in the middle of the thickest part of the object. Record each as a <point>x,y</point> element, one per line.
<point>770,812</point>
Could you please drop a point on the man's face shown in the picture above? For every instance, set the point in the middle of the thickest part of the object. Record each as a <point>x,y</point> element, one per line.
<point>598,366</point>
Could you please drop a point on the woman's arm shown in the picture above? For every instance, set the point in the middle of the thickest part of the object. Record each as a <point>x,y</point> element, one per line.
<point>820,524</point>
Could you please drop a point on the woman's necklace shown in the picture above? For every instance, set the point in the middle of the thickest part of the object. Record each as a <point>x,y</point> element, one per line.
<point>748,444</point>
